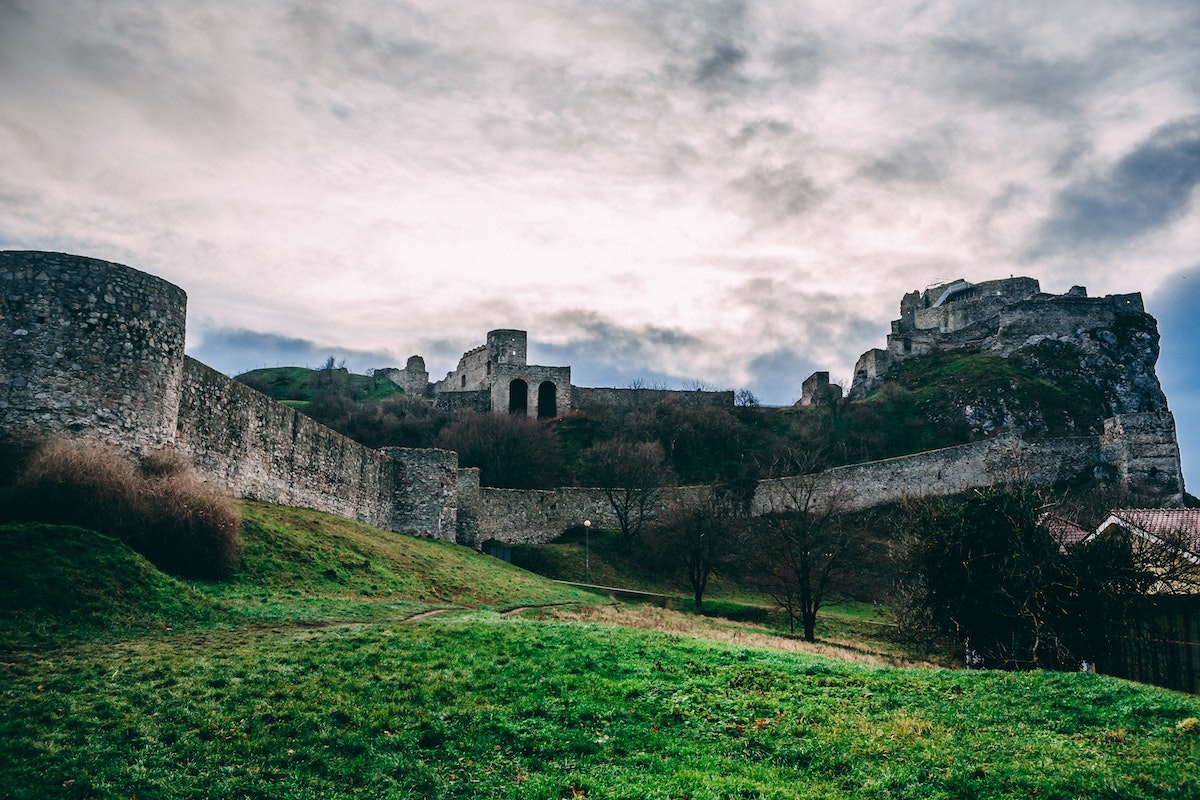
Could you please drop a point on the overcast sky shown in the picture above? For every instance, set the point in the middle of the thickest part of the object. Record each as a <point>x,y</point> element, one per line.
<point>734,192</point>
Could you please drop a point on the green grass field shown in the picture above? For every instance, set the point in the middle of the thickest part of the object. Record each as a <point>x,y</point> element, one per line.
<point>295,385</point>
<point>315,673</point>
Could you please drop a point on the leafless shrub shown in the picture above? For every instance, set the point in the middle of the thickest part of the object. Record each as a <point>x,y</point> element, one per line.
<point>159,507</point>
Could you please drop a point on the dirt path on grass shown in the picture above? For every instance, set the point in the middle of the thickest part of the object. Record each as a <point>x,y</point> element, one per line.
<point>427,614</point>
<point>512,612</point>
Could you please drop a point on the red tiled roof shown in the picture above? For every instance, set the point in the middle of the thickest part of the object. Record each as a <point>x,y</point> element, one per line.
<point>1162,523</point>
<point>1064,531</point>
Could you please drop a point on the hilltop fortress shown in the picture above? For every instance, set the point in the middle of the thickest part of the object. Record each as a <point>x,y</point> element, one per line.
<point>497,377</point>
<point>94,349</point>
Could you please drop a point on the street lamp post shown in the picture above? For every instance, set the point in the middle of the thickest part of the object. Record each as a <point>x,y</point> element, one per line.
<point>587,551</point>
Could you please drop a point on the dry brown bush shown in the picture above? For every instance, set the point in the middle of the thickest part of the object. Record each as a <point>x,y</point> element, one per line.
<point>158,506</point>
<point>188,528</point>
<point>78,483</point>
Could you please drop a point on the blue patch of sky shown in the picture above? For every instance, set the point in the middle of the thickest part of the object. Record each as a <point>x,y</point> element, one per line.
<point>1175,305</point>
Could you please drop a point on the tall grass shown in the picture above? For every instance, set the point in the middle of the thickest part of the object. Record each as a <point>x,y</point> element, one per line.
<point>158,505</point>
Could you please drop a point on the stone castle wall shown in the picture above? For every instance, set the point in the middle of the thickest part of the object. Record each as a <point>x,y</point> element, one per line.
<point>425,498</point>
<point>262,450</point>
<point>94,349</point>
<point>624,399</point>
<point>533,516</point>
<point>942,472</point>
<point>1137,448</point>
<point>89,348</point>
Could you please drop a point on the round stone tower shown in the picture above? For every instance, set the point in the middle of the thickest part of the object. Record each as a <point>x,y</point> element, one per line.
<point>89,348</point>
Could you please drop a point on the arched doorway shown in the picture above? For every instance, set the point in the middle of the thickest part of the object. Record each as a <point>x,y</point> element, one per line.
<point>518,397</point>
<point>547,400</point>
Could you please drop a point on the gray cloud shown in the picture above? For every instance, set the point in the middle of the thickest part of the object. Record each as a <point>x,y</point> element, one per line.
<point>604,353</point>
<point>1149,187</point>
<point>722,64</point>
<point>774,195</point>
<point>921,160</point>
<point>1002,74</point>
<point>799,60</point>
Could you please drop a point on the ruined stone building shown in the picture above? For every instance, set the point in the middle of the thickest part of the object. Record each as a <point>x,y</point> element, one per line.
<point>496,377</point>
<point>94,350</point>
<point>1112,339</point>
<point>413,379</point>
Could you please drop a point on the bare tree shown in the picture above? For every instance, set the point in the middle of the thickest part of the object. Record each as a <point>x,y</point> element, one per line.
<point>696,539</point>
<point>802,545</point>
<point>512,452</point>
<point>745,399</point>
<point>632,476</point>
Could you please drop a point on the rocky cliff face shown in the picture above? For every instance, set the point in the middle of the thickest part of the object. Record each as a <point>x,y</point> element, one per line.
<point>1013,359</point>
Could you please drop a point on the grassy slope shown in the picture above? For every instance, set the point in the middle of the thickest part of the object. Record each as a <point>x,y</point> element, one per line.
<point>843,620</point>
<point>299,563</point>
<point>59,583</point>
<point>295,384</point>
<point>332,700</point>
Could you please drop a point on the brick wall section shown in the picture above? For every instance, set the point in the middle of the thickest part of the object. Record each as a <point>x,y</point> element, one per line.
<point>89,348</point>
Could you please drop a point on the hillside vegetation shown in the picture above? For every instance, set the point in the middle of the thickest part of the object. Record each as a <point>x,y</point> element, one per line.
<point>927,403</point>
<point>298,386</point>
<point>313,672</point>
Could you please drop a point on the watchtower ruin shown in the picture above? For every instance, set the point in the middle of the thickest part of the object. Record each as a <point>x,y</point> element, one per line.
<point>496,376</point>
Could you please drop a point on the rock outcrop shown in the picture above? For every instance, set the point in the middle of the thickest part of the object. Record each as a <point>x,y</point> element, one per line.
<point>1101,350</point>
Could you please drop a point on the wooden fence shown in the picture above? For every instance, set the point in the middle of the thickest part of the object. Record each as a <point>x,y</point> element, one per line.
<point>1162,645</point>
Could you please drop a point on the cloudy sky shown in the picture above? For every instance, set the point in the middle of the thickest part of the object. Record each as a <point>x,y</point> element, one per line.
<point>735,192</point>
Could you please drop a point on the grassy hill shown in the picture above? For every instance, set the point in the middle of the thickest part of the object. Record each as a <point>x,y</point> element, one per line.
<point>297,385</point>
<point>314,673</point>
<point>59,584</point>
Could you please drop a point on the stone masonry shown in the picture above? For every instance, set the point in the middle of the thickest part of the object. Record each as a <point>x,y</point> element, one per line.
<point>95,350</point>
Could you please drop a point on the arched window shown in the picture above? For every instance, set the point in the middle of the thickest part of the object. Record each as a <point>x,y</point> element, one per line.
<point>547,400</point>
<point>518,397</point>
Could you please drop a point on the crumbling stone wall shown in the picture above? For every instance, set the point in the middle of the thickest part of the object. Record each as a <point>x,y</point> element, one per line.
<point>818,391</point>
<point>624,399</point>
<point>413,380</point>
<point>262,450</point>
<point>89,348</point>
<point>425,499</point>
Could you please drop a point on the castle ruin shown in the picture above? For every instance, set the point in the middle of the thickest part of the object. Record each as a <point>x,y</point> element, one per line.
<point>496,377</point>
<point>94,349</point>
